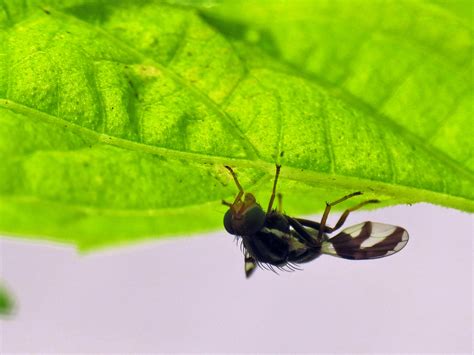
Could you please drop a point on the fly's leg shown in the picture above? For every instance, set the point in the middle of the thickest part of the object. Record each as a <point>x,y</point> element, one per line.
<point>302,234</point>
<point>342,219</point>
<point>272,197</point>
<point>280,203</point>
<point>241,190</point>
<point>344,216</point>
<point>317,226</point>
<point>249,263</point>
<point>298,224</point>
<point>313,224</point>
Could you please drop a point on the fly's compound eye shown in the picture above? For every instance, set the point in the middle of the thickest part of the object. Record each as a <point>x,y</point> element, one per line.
<point>250,222</point>
<point>228,222</point>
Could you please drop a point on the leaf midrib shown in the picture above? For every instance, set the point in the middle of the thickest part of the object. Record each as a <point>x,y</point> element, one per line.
<point>398,193</point>
<point>395,193</point>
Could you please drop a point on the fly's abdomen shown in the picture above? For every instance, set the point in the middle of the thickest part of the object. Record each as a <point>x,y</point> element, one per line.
<point>301,252</point>
<point>303,255</point>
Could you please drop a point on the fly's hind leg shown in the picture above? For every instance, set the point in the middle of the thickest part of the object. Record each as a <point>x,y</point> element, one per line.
<point>302,234</point>
<point>345,214</point>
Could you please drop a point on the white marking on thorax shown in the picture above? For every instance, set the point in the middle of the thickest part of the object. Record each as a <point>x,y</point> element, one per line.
<point>276,232</point>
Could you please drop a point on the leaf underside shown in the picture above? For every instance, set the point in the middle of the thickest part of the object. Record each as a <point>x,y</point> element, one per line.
<point>116,120</point>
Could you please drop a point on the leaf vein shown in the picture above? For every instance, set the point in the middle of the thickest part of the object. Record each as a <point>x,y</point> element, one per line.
<point>180,43</point>
<point>373,113</point>
<point>250,149</point>
<point>327,137</point>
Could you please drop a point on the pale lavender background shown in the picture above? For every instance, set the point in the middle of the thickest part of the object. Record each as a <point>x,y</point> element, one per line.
<point>190,295</point>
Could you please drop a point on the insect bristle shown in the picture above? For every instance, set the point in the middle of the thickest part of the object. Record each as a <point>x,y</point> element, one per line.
<point>288,267</point>
<point>293,267</point>
<point>238,241</point>
<point>266,266</point>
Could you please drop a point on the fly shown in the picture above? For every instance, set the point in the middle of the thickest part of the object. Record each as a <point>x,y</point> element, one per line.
<point>273,238</point>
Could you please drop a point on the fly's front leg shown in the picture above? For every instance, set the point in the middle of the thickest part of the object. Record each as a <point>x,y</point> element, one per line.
<point>249,263</point>
<point>225,203</point>
<point>241,190</point>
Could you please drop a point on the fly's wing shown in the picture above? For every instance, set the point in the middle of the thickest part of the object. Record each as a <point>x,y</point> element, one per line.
<point>250,264</point>
<point>368,240</point>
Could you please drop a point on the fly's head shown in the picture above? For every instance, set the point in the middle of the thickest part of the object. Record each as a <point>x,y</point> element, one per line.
<point>244,217</point>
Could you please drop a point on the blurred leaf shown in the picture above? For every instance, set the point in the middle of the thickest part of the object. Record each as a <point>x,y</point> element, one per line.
<point>116,118</point>
<point>6,302</point>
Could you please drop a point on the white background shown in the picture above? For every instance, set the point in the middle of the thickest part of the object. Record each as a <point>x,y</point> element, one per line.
<point>190,295</point>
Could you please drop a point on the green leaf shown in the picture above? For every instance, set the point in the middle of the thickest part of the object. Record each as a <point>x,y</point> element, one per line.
<point>116,120</point>
<point>6,302</point>
<point>409,64</point>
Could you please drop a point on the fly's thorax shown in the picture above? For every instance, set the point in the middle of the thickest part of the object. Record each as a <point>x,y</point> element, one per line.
<point>276,220</point>
<point>244,217</point>
<point>267,246</point>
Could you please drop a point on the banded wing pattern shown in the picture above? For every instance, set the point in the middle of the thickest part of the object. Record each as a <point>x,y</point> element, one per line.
<point>367,240</point>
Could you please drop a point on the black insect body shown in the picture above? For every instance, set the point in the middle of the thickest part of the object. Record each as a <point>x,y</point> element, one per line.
<point>272,238</point>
